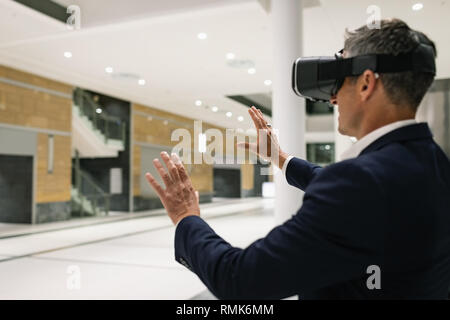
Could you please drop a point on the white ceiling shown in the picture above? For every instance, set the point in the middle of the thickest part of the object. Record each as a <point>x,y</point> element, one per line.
<point>100,12</point>
<point>158,42</point>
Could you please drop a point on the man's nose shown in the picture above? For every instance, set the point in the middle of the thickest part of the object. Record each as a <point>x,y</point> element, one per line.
<point>333,100</point>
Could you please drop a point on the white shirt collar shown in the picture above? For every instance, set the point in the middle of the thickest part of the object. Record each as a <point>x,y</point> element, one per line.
<point>365,141</point>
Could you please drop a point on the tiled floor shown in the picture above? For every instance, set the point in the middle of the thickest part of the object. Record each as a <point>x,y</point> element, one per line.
<point>217,207</point>
<point>131,259</point>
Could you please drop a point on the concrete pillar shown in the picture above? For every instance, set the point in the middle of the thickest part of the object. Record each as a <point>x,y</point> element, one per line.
<point>288,110</point>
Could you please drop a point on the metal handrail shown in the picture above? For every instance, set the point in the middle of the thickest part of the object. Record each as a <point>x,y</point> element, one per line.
<point>95,106</point>
<point>96,197</point>
<point>92,183</point>
<point>83,100</point>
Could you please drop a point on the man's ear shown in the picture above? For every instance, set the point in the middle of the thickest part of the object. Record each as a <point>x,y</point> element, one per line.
<point>367,84</point>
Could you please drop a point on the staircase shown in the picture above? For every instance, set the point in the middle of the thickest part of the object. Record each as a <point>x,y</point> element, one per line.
<point>87,198</point>
<point>95,134</point>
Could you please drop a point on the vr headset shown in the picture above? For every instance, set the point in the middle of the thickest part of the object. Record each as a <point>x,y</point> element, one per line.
<point>320,78</point>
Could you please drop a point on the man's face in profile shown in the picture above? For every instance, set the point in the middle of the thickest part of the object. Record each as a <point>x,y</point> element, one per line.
<point>346,100</point>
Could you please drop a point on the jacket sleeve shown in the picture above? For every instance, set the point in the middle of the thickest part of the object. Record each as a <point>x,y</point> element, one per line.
<point>300,172</point>
<point>331,239</point>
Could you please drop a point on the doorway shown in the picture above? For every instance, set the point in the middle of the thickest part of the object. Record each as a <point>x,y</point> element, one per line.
<point>227,182</point>
<point>16,189</point>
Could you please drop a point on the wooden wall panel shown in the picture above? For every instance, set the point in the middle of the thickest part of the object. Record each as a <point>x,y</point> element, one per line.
<point>136,170</point>
<point>29,108</point>
<point>202,177</point>
<point>56,186</point>
<point>17,75</point>
<point>247,176</point>
<point>41,110</point>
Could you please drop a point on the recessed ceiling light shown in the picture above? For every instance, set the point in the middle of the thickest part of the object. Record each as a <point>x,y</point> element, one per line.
<point>230,56</point>
<point>68,54</point>
<point>198,103</point>
<point>240,118</point>
<point>267,82</point>
<point>229,114</point>
<point>98,110</point>
<point>109,70</point>
<point>141,82</point>
<point>251,71</point>
<point>214,109</point>
<point>202,36</point>
<point>417,6</point>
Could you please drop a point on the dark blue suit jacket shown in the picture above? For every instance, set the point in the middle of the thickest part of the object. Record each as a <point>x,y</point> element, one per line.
<point>389,207</point>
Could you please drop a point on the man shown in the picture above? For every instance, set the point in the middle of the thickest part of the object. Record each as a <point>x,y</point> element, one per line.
<point>376,225</point>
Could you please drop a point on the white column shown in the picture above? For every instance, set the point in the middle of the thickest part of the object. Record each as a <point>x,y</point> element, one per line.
<point>341,142</point>
<point>288,110</point>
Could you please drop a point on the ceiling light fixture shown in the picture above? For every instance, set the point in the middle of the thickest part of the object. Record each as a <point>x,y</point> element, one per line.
<point>109,70</point>
<point>418,6</point>
<point>251,71</point>
<point>198,103</point>
<point>98,110</point>
<point>68,54</point>
<point>240,118</point>
<point>141,82</point>
<point>267,82</point>
<point>229,114</point>
<point>214,109</point>
<point>202,36</point>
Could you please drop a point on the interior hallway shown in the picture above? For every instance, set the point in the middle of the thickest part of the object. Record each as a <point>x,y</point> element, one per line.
<point>121,259</point>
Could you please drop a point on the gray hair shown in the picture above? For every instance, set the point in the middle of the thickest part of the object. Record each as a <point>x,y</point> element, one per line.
<point>393,37</point>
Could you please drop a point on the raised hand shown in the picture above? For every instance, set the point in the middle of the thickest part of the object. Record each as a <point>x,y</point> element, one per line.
<point>179,198</point>
<point>267,146</point>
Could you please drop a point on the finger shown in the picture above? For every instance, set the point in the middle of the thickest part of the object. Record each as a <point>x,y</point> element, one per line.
<point>170,166</point>
<point>162,172</point>
<point>155,185</point>
<point>259,119</point>
<point>263,121</point>
<point>248,146</point>
<point>243,145</point>
<point>197,196</point>
<point>181,170</point>
<point>254,117</point>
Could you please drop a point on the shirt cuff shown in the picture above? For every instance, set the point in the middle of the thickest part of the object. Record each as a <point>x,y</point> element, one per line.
<point>285,164</point>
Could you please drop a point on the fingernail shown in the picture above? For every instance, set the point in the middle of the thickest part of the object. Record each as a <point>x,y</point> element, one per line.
<point>175,158</point>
